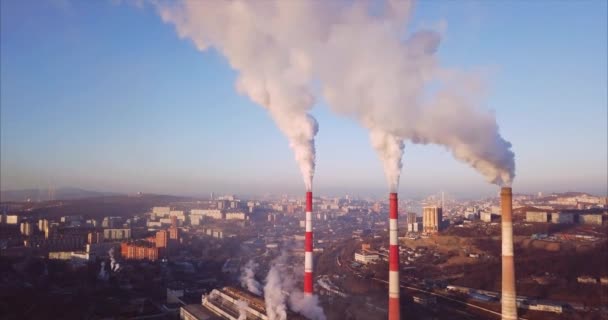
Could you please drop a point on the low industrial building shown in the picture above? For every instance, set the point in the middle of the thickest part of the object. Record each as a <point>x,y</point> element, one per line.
<point>366,257</point>
<point>562,217</point>
<point>537,216</point>
<point>233,304</point>
<point>593,219</point>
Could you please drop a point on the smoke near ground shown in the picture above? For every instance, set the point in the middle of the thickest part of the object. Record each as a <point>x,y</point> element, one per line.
<point>366,64</point>
<point>247,278</point>
<point>114,265</point>
<point>280,291</point>
<point>242,307</point>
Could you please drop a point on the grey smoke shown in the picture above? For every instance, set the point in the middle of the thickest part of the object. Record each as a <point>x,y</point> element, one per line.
<point>247,277</point>
<point>367,65</point>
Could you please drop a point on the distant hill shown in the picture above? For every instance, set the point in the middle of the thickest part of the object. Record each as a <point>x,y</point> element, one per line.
<point>98,207</point>
<point>47,195</point>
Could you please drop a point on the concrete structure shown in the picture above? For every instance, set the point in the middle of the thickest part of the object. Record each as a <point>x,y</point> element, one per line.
<point>411,217</point>
<point>508,297</point>
<point>432,218</point>
<point>213,213</point>
<point>95,237</point>
<point>537,216</point>
<point>162,239</point>
<point>233,304</point>
<point>43,225</point>
<point>562,217</point>
<point>586,280</point>
<point>140,250</point>
<point>414,227</point>
<point>160,211</point>
<point>366,257</point>
<point>112,222</point>
<point>196,215</point>
<point>308,277</point>
<point>12,219</point>
<point>195,312</point>
<point>178,214</point>
<point>174,294</point>
<point>595,219</point>
<point>101,249</point>
<point>236,215</point>
<point>50,232</point>
<point>26,229</point>
<point>393,259</point>
<point>117,234</point>
<point>486,216</point>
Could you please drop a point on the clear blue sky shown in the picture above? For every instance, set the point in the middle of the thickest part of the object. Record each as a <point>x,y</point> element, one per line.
<point>106,97</point>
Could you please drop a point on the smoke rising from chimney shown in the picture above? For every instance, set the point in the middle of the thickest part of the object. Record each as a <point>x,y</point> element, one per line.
<point>272,71</point>
<point>367,65</point>
<point>248,278</point>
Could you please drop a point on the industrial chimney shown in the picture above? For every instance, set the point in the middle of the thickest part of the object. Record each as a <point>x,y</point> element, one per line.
<point>393,258</point>
<point>308,246</point>
<point>508,302</point>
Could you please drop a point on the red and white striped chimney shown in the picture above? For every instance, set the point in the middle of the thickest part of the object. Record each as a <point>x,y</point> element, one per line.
<point>308,246</point>
<point>508,297</point>
<point>393,258</point>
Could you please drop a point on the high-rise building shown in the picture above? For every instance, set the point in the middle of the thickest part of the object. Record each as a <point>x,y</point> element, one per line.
<point>173,233</point>
<point>140,250</point>
<point>162,239</point>
<point>50,231</point>
<point>95,237</point>
<point>43,225</point>
<point>411,217</point>
<point>26,229</point>
<point>431,219</point>
<point>117,234</point>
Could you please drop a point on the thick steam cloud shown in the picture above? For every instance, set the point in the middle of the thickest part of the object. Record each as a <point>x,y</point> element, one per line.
<point>366,65</point>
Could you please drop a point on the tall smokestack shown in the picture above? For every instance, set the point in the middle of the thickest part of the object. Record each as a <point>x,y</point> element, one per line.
<point>393,258</point>
<point>308,246</point>
<point>508,303</point>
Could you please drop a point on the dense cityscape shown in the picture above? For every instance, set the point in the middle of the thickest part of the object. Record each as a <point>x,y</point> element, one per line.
<point>154,257</point>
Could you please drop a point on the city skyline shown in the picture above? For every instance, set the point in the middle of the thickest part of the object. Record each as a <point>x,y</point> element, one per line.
<point>106,97</point>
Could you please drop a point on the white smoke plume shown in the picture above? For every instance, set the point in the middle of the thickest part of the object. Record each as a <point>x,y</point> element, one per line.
<point>113,264</point>
<point>274,295</point>
<point>367,65</point>
<point>372,69</point>
<point>280,290</point>
<point>242,308</point>
<point>277,78</point>
<point>307,306</point>
<point>247,277</point>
